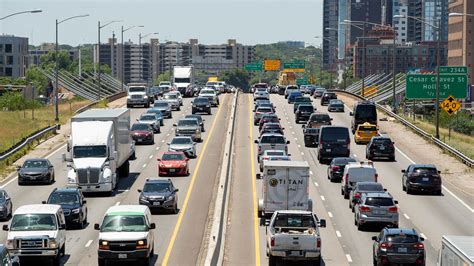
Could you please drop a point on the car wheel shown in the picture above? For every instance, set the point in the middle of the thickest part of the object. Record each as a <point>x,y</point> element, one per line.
<point>272,261</point>
<point>62,251</point>
<point>350,204</point>
<point>100,262</point>
<point>403,187</point>
<point>408,189</point>
<point>20,183</point>
<point>359,226</point>
<point>439,192</point>
<point>175,208</point>
<point>162,123</point>
<point>179,108</point>
<point>374,261</point>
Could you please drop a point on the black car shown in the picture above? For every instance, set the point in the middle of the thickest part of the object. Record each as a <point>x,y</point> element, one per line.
<point>6,205</point>
<point>421,177</point>
<point>380,147</point>
<point>73,204</point>
<point>327,96</point>
<point>333,142</point>
<point>303,112</point>
<point>336,168</point>
<point>159,193</point>
<point>271,127</point>
<point>398,246</point>
<point>311,137</point>
<point>36,171</point>
<point>201,105</point>
<point>200,120</point>
<point>364,111</point>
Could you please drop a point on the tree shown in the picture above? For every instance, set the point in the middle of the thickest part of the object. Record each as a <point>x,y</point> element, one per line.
<point>40,81</point>
<point>236,77</point>
<point>166,76</point>
<point>48,61</point>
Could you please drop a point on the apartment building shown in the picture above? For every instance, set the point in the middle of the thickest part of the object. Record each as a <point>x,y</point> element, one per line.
<point>13,56</point>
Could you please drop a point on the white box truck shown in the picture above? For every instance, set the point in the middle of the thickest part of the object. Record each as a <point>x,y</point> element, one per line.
<point>456,251</point>
<point>183,80</point>
<point>285,186</point>
<point>99,149</point>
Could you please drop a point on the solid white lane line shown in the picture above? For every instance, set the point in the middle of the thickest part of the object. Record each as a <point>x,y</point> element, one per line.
<point>168,134</point>
<point>348,256</point>
<point>302,153</point>
<point>323,198</point>
<point>406,216</point>
<point>157,148</point>
<point>89,243</point>
<point>162,140</point>
<point>338,234</point>
<point>316,184</point>
<point>423,235</point>
<point>118,203</point>
<point>330,214</point>
<point>299,146</point>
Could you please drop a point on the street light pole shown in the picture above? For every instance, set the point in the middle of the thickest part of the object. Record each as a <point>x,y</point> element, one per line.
<point>56,67</point>
<point>99,27</point>
<point>22,12</point>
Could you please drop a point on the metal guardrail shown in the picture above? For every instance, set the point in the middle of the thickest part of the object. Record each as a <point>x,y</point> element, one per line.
<point>459,155</point>
<point>20,145</point>
<point>39,134</point>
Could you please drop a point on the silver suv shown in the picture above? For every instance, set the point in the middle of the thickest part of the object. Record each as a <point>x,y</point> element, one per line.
<point>361,188</point>
<point>376,208</point>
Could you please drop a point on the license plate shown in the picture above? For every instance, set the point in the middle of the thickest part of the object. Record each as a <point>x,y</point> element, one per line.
<point>295,253</point>
<point>382,148</point>
<point>172,170</point>
<point>140,139</point>
<point>425,179</point>
<point>156,203</point>
<point>328,150</point>
<point>122,256</point>
<point>33,177</point>
<point>379,212</point>
<point>402,250</point>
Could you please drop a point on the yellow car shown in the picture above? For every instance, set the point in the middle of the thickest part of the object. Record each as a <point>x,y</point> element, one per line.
<point>365,132</point>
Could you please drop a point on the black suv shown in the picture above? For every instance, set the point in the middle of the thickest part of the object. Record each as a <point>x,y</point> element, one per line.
<point>380,147</point>
<point>303,112</point>
<point>327,96</point>
<point>73,204</point>
<point>333,142</point>
<point>201,104</point>
<point>421,177</point>
<point>364,111</point>
<point>159,193</point>
<point>398,246</point>
<point>336,168</point>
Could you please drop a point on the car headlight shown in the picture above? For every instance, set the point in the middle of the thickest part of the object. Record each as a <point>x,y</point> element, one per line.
<point>197,130</point>
<point>170,198</point>
<point>76,211</point>
<point>71,180</point>
<point>145,96</point>
<point>183,164</point>
<point>128,96</point>
<point>208,105</point>
<point>10,244</point>
<point>142,197</point>
<point>53,243</point>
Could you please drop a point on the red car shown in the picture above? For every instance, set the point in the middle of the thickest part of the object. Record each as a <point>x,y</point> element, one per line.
<point>174,164</point>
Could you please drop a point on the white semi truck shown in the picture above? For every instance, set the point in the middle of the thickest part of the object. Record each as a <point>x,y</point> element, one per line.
<point>99,149</point>
<point>183,80</point>
<point>285,187</point>
<point>456,251</point>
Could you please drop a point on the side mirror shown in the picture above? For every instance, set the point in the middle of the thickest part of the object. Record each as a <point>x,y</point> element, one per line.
<point>253,111</point>
<point>5,227</point>
<point>168,143</point>
<point>422,239</point>
<point>287,142</point>
<point>137,119</point>
<point>375,238</point>
<point>404,171</point>
<point>439,172</point>
<point>174,125</point>
<point>84,201</point>
<point>139,190</point>
<point>176,189</point>
<point>96,227</point>
<point>303,126</point>
<point>256,141</point>
<point>322,223</point>
<point>43,202</point>
<point>17,167</point>
<point>351,114</point>
<point>395,201</point>
<point>330,119</point>
<point>258,176</point>
<point>152,226</point>
<point>159,160</point>
<point>62,227</point>
<point>384,189</point>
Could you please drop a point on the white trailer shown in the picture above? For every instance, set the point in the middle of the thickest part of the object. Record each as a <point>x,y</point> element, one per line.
<point>99,149</point>
<point>456,251</point>
<point>285,186</point>
<point>183,80</point>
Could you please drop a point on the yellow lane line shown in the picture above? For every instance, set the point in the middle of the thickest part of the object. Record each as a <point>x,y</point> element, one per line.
<point>190,189</point>
<point>254,188</point>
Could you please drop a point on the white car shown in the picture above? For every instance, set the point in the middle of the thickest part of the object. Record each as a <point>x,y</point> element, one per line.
<point>37,230</point>
<point>273,155</point>
<point>173,99</point>
<point>211,95</point>
<point>126,233</point>
<point>357,172</point>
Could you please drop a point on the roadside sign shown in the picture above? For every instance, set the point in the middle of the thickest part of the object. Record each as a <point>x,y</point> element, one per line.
<point>453,70</point>
<point>301,81</point>
<point>423,86</point>
<point>272,65</point>
<point>300,64</point>
<point>450,105</point>
<point>293,70</point>
<point>254,66</point>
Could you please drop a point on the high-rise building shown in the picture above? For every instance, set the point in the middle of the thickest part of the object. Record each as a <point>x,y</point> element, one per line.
<point>363,10</point>
<point>13,56</point>
<point>330,37</point>
<point>400,8</point>
<point>461,36</point>
<point>434,12</point>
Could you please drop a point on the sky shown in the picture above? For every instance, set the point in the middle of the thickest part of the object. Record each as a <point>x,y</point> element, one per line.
<point>210,21</point>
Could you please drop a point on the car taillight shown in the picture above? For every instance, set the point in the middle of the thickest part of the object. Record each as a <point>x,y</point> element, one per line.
<point>336,167</point>
<point>376,177</point>
<point>393,209</point>
<point>257,113</point>
<point>265,158</point>
<point>272,242</point>
<point>357,195</point>
<point>419,246</point>
<point>364,209</point>
<point>318,243</point>
<point>385,245</point>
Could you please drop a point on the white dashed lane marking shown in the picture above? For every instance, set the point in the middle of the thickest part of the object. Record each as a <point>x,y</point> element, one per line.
<point>89,243</point>
<point>406,216</point>
<point>338,234</point>
<point>348,256</point>
<point>323,198</point>
<point>330,214</point>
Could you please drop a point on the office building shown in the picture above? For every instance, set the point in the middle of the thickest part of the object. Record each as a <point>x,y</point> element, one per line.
<point>461,36</point>
<point>330,37</point>
<point>13,56</point>
<point>400,8</point>
<point>434,12</point>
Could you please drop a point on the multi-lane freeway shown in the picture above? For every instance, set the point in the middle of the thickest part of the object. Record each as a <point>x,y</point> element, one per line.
<point>181,238</point>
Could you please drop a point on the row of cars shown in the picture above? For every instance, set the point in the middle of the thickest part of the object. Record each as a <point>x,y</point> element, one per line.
<point>126,232</point>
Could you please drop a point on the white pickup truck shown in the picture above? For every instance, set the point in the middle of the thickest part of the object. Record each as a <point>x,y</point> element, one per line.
<point>294,235</point>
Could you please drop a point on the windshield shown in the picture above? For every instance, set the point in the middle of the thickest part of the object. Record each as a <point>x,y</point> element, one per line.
<point>136,89</point>
<point>64,198</point>
<point>155,111</point>
<point>35,164</point>
<point>207,91</point>
<point>370,187</point>
<point>367,111</point>
<point>124,223</point>
<point>426,170</point>
<point>264,110</point>
<point>302,99</point>
<point>148,117</point>
<point>306,108</point>
<point>160,104</point>
<point>199,118</point>
<point>181,141</point>
<point>261,86</point>
<point>344,161</point>
<point>293,220</point>
<point>382,141</point>
<point>98,151</point>
<point>320,118</point>
<point>182,80</point>
<point>273,139</point>
<point>157,187</point>
<point>373,201</point>
<point>172,157</point>
<point>275,153</point>
<point>201,100</point>
<point>170,96</point>
<point>211,83</point>
<point>33,222</point>
<point>140,127</point>
<point>188,122</point>
<point>402,238</point>
<point>335,134</point>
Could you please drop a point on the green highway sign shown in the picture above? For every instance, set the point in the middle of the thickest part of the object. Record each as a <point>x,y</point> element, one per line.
<point>423,86</point>
<point>301,81</point>
<point>258,66</point>
<point>295,64</point>
<point>453,70</point>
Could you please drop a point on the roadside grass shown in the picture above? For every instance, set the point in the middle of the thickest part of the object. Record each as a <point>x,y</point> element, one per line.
<point>461,142</point>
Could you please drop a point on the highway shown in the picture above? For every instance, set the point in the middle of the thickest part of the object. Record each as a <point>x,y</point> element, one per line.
<point>174,233</point>
<point>342,243</point>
